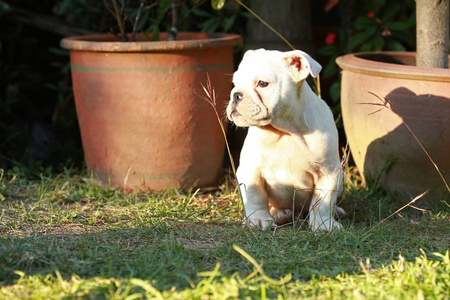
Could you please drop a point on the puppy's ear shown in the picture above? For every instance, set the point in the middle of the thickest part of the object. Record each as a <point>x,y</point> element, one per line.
<point>301,64</point>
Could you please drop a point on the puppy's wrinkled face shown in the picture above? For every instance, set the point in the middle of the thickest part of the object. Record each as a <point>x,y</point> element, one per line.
<point>266,83</point>
<point>257,87</point>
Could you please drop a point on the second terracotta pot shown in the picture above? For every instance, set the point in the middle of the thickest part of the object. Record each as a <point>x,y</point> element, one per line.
<point>417,97</point>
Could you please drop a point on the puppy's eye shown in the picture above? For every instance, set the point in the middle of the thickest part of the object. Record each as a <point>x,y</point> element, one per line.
<point>262,84</point>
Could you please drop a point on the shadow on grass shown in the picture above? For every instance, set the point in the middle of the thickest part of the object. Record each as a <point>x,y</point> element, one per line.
<point>171,254</point>
<point>168,239</point>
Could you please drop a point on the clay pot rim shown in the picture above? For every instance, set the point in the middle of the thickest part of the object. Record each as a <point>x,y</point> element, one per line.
<point>368,63</point>
<point>185,41</point>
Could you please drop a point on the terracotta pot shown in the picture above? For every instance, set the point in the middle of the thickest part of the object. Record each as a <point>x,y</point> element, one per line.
<point>417,96</point>
<point>142,124</point>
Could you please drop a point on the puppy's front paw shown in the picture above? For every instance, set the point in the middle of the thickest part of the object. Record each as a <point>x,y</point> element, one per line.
<point>324,225</point>
<point>260,219</point>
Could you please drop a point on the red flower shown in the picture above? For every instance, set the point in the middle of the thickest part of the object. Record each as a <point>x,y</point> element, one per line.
<point>330,38</point>
<point>370,14</point>
<point>330,4</point>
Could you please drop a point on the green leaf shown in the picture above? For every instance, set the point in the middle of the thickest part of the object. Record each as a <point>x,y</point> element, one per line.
<point>247,15</point>
<point>63,5</point>
<point>412,19</point>
<point>143,20</point>
<point>398,25</point>
<point>342,36</point>
<point>406,37</point>
<point>228,23</point>
<point>328,50</point>
<point>156,35</point>
<point>4,7</point>
<point>378,43</point>
<point>335,91</point>
<point>331,68</point>
<point>395,46</point>
<point>358,39</point>
<point>368,46</point>
<point>202,13</point>
<point>362,22</point>
<point>210,25</point>
<point>58,51</point>
<point>217,4</point>
<point>371,30</point>
<point>390,12</point>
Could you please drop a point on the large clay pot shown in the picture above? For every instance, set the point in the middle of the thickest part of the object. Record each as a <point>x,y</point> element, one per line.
<point>142,124</point>
<point>419,97</point>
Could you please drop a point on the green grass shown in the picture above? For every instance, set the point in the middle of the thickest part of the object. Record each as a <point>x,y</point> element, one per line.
<point>63,237</point>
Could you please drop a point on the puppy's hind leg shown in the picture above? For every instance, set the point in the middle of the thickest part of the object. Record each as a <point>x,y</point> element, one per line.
<point>322,209</point>
<point>281,215</point>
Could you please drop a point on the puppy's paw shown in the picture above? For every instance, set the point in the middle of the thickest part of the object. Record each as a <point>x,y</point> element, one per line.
<point>339,212</point>
<point>260,219</point>
<point>281,215</point>
<point>324,225</point>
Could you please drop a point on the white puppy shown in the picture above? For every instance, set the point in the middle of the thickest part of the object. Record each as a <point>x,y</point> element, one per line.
<point>290,158</point>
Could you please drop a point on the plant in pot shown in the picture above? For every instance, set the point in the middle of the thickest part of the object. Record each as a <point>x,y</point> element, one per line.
<point>396,107</point>
<point>142,123</point>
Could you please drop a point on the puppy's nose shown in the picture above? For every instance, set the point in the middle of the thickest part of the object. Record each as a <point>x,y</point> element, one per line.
<point>237,97</point>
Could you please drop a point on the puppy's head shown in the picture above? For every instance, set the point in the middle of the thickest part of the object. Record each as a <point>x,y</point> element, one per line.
<point>266,84</point>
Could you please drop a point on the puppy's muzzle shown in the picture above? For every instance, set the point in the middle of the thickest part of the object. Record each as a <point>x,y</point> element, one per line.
<point>237,97</point>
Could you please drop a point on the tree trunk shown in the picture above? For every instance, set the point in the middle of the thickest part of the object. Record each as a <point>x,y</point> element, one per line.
<point>291,18</point>
<point>432,33</point>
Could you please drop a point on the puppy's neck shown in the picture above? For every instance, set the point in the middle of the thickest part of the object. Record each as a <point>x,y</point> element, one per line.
<point>298,137</point>
<point>298,115</point>
<point>299,118</point>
